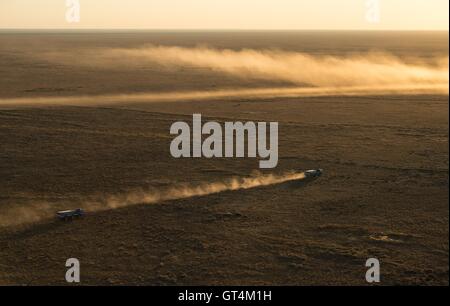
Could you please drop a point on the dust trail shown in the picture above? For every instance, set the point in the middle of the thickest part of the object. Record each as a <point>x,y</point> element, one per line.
<point>34,212</point>
<point>264,93</point>
<point>187,191</point>
<point>370,69</point>
<point>304,74</point>
<point>366,69</point>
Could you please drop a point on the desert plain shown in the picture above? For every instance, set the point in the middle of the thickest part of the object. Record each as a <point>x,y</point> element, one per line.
<point>383,194</point>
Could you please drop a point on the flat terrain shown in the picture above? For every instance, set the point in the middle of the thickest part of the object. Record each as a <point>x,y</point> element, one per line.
<point>384,195</point>
<point>384,192</point>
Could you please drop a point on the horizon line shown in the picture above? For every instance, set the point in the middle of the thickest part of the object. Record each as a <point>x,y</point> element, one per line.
<point>222,29</point>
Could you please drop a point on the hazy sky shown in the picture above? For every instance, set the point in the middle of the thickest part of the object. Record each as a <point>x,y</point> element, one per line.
<point>228,14</point>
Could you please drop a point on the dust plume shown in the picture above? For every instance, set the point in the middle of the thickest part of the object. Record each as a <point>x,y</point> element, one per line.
<point>208,95</point>
<point>34,212</point>
<point>368,69</point>
<point>304,74</point>
<point>188,191</point>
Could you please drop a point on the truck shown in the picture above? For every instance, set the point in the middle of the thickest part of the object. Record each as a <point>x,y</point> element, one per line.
<point>66,215</point>
<point>313,173</point>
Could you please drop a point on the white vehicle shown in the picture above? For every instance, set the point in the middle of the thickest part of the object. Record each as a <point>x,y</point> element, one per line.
<point>313,173</point>
<point>66,215</point>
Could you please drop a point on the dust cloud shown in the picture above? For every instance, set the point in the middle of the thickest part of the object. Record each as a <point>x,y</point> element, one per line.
<point>368,69</point>
<point>207,95</point>
<point>39,211</point>
<point>305,75</point>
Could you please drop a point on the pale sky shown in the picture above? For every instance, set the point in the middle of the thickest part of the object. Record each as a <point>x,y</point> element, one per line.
<point>228,14</point>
